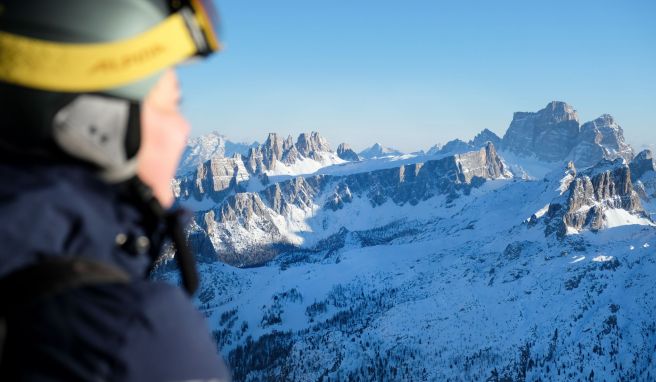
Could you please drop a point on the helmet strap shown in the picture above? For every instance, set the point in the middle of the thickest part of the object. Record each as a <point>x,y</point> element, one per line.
<point>174,229</point>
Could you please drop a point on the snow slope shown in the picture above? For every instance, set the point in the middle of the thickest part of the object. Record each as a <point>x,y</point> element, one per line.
<point>460,290</point>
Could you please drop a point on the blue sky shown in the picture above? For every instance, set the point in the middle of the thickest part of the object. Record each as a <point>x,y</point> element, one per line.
<point>412,73</point>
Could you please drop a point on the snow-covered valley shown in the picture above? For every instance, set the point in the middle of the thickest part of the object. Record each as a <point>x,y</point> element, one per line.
<point>457,264</point>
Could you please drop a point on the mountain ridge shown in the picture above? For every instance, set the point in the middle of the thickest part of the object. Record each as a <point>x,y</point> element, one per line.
<point>447,266</point>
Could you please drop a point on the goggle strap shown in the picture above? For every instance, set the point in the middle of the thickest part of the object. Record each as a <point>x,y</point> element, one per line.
<point>68,67</point>
<point>194,29</point>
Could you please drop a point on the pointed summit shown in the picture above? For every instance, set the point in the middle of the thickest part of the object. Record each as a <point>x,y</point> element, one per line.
<point>378,151</point>
<point>310,145</point>
<point>485,136</point>
<point>345,152</point>
<point>601,139</point>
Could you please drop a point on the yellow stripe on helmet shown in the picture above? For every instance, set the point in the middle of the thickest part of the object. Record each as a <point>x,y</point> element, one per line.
<point>67,67</point>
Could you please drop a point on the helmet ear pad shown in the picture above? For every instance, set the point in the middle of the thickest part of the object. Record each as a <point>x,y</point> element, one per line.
<point>100,130</point>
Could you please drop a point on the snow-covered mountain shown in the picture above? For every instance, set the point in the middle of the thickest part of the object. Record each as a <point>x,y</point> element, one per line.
<point>472,265</point>
<point>215,175</point>
<point>345,152</point>
<point>554,134</point>
<point>458,146</point>
<point>250,228</point>
<point>203,148</point>
<point>378,151</point>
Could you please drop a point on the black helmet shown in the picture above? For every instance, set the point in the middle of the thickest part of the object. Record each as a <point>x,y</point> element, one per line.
<point>73,74</point>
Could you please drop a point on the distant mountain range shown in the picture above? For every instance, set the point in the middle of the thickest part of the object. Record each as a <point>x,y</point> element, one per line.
<point>520,257</point>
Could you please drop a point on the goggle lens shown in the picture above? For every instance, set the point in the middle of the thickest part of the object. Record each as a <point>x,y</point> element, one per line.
<point>210,21</point>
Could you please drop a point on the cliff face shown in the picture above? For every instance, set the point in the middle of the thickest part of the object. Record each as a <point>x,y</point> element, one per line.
<point>591,195</point>
<point>251,228</point>
<point>214,179</point>
<point>642,164</point>
<point>458,146</point>
<point>549,134</point>
<point>554,134</point>
<point>221,176</point>
<point>345,152</point>
<point>600,139</point>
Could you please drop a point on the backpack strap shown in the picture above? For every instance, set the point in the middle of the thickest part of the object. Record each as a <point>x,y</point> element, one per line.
<point>50,277</point>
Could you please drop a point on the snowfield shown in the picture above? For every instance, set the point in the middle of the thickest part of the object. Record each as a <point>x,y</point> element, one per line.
<point>466,290</point>
<point>449,266</point>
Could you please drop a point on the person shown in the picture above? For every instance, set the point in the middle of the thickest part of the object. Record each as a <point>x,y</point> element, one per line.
<point>90,137</point>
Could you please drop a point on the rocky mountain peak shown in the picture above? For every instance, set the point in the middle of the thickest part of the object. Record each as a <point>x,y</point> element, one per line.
<point>260,213</point>
<point>272,150</point>
<point>592,196</point>
<point>288,143</point>
<point>345,152</point>
<point>558,111</point>
<point>601,139</point>
<point>457,146</point>
<point>378,151</point>
<point>310,144</point>
<point>435,149</point>
<point>485,136</point>
<point>553,134</point>
<point>549,134</point>
<point>641,164</point>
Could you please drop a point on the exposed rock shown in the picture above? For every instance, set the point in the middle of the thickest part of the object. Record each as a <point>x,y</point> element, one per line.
<point>549,134</point>
<point>600,139</point>
<point>641,164</point>
<point>485,136</point>
<point>255,218</point>
<point>455,146</point>
<point>345,152</point>
<point>311,145</point>
<point>219,176</point>
<point>215,179</point>
<point>378,151</point>
<point>590,194</point>
<point>553,134</point>
<point>435,149</point>
<point>458,146</point>
<point>203,148</point>
<point>272,151</point>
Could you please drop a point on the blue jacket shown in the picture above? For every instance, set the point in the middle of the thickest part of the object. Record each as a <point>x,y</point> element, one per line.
<point>139,331</point>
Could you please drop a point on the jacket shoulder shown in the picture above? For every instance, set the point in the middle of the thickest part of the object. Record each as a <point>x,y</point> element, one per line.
<point>141,331</point>
<point>170,340</point>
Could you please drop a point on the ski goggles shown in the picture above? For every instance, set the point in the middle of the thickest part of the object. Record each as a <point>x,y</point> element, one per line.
<point>190,30</point>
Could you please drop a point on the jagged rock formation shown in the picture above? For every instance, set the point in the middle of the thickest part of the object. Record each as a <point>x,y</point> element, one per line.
<point>214,178</point>
<point>485,136</point>
<point>642,164</point>
<point>643,175</point>
<point>453,147</point>
<point>345,152</point>
<point>271,152</point>
<point>549,134</point>
<point>311,146</point>
<point>457,146</point>
<point>600,139</point>
<point>434,150</point>
<point>208,146</point>
<point>590,195</point>
<point>247,229</point>
<point>554,134</point>
<point>355,257</point>
<point>378,151</point>
<point>220,176</point>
